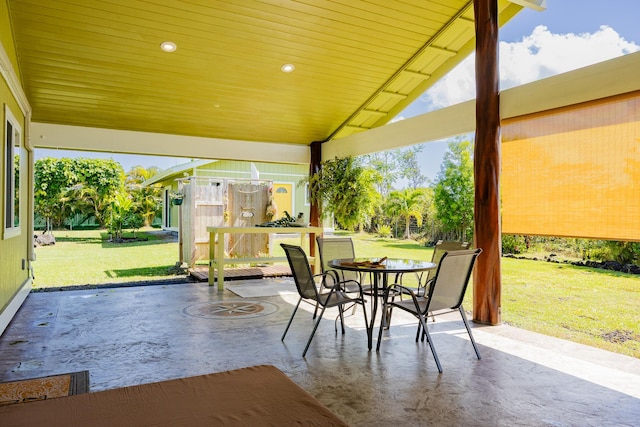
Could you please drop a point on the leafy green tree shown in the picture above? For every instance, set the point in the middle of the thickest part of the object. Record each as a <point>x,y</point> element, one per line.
<point>64,187</point>
<point>409,167</point>
<point>406,204</point>
<point>430,224</point>
<point>385,165</point>
<point>147,200</point>
<point>454,191</point>
<point>345,189</point>
<point>52,178</point>
<point>391,165</point>
<point>99,180</point>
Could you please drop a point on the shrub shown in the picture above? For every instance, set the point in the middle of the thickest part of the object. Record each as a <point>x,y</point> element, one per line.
<point>513,244</point>
<point>623,252</point>
<point>383,231</point>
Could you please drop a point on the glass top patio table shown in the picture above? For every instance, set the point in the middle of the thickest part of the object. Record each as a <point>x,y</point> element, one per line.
<point>380,268</point>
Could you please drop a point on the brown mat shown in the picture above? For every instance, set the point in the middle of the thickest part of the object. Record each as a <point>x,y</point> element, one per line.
<point>254,396</point>
<point>44,388</point>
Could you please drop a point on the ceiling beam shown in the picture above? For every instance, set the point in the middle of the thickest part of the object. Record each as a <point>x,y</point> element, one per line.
<point>79,138</point>
<point>444,123</point>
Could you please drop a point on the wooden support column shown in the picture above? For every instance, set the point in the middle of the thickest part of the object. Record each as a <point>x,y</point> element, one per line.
<point>314,209</point>
<point>487,276</point>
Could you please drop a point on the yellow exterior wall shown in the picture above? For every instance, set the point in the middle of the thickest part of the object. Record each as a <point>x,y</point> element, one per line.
<point>14,273</point>
<point>574,171</point>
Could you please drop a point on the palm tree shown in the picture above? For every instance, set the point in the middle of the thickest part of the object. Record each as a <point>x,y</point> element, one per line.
<point>89,201</point>
<point>406,204</point>
<point>120,212</point>
<point>148,200</point>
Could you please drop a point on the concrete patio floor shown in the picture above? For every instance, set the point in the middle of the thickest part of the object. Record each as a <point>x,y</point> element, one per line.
<point>134,335</point>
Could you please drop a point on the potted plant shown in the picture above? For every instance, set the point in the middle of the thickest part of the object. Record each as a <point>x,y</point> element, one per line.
<point>177,198</point>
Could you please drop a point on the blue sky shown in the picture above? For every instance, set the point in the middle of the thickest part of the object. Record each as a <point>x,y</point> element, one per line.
<point>533,45</point>
<point>577,16</point>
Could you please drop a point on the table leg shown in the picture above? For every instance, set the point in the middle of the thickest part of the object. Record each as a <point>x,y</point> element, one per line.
<point>212,257</point>
<point>384,316</point>
<point>220,263</point>
<point>374,309</point>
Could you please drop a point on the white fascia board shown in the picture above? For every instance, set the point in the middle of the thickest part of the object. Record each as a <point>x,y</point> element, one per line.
<point>177,170</point>
<point>45,135</point>
<point>609,78</point>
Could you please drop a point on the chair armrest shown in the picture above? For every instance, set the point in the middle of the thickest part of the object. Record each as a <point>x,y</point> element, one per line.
<point>337,283</point>
<point>406,291</point>
<point>349,281</point>
<point>334,275</point>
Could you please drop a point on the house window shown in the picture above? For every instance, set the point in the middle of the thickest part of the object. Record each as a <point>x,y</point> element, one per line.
<point>12,175</point>
<point>167,207</point>
<point>307,199</point>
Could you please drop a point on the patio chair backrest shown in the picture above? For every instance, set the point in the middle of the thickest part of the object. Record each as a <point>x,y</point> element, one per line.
<point>336,248</point>
<point>451,280</point>
<point>439,249</point>
<point>301,270</point>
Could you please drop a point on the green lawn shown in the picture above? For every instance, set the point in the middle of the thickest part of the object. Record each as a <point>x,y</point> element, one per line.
<point>84,258</point>
<point>586,305</point>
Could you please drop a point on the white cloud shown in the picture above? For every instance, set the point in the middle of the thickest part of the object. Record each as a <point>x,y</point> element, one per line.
<point>539,55</point>
<point>543,54</point>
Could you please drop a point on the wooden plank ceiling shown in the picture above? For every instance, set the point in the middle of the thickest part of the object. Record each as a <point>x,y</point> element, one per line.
<point>98,63</point>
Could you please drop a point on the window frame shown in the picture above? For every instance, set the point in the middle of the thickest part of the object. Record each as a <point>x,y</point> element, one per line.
<point>12,143</point>
<point>307,194</point>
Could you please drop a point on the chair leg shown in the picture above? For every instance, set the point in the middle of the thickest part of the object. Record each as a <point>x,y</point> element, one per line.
<point>466,324</point>
<point>315,312</point>
<point>341,314</point>
<point>291,319</point>
<point>430,341</point>
<point>314,331</point>
<point>366,322</point>
<point>433,319</point>
<point>390,312</point>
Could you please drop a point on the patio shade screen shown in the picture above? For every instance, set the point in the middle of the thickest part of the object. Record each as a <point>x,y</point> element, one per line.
<point>574,172</point>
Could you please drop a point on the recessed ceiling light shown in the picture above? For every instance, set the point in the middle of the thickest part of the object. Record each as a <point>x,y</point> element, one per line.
<point>287,68</point>
<point>168,46</point>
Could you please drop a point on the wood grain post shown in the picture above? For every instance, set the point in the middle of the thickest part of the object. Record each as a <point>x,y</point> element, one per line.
<point>314,209</point>
<point>487,276</point>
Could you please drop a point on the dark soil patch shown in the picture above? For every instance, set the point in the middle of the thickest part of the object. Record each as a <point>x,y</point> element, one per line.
<point>129,239</point>
<point>156,235</point>
<point>619,337</point>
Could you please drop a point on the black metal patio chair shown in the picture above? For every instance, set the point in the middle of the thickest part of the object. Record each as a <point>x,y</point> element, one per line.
<point>308,289</point>
<point>444,295</point>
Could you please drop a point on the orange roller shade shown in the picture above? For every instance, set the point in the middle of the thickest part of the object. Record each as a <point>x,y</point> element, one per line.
<point>574,171</point>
